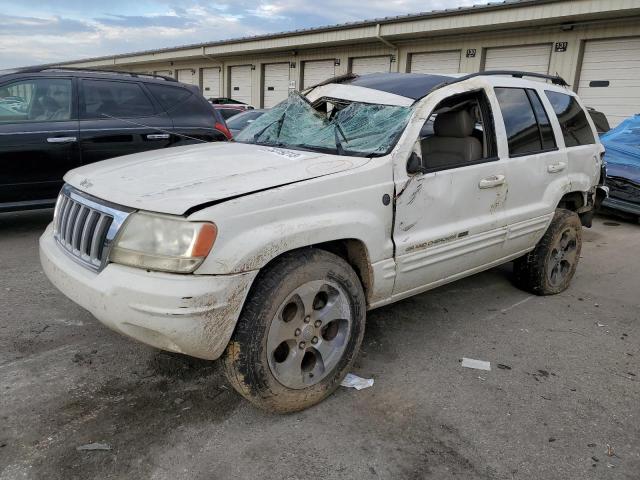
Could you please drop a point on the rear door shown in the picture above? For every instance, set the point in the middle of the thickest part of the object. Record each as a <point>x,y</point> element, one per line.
<point>581,147</point>
<point>537,168</point>
<point>38,138</point>
<point>119,118</point>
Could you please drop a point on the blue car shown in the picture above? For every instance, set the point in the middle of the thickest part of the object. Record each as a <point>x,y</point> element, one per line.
<point>623,166</point>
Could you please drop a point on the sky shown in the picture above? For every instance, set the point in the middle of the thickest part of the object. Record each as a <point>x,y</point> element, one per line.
<point>47,31</point>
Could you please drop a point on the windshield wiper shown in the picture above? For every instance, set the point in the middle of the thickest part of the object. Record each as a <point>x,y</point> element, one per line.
<point>339,147</point>
<point>279,121</point>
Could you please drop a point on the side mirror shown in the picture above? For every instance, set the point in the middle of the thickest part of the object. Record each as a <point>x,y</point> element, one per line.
<point>414,164</point>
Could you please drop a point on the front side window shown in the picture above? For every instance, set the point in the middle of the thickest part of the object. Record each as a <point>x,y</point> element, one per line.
<point>573,121</point>
<point>108,99</point>
<point>459,132</point>
<point>36,100</point>
<point>525,121</point>
<point>333,126</point>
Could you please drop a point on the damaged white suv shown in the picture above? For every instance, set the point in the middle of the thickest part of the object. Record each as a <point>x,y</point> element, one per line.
<point>268,251</point>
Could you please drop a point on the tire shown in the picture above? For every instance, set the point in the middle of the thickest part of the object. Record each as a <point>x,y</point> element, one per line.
<point>293,344</point>
<point>550,266</point>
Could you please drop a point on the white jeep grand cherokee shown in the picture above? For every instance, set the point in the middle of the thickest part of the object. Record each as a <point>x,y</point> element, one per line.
<point>362,191</point>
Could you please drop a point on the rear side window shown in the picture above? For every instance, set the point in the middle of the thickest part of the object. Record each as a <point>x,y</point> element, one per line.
<point>573,121</point>
<point>104,99</point>
<point>169,97</point>
<point>546,132</point>
<point>525,120</point>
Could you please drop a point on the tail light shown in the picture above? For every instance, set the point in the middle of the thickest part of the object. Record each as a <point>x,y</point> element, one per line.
<point>221,127</point>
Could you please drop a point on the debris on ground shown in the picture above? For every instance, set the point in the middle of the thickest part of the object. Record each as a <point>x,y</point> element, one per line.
<point>94,446</point>
<point>601,324</point>
<point>503,366</point>
<point>610,451</point>
<point>477,364</point>
<point>354,381</point>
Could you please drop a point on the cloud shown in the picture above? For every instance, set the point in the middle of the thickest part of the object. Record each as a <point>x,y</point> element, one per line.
<point>47,31</point>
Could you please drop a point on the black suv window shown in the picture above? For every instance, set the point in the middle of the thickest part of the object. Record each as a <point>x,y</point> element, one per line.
<point>573,121</point>
<point>105,98</point>
<point>525,120</point>
<point>36,100</point>
<point>169,97</point>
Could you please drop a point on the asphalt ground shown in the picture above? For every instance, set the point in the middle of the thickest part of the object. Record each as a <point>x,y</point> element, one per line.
<point>562,399</point>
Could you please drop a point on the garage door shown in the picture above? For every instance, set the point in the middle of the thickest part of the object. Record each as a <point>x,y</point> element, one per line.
<point>166,73</point>
<point>436,62</point>
<point>364,65</point>
<point>240,80</point>
<point>211,82</point>
<point>276,83</point>
<point>317,71</point>
<point>531,58</point>
<point>188,76</point>
<point>610,77</point>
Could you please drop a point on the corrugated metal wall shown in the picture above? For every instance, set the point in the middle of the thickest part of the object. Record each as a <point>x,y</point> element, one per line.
<point>566,44</point>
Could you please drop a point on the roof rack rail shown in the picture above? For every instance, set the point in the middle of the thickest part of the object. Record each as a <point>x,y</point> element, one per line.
<point>555,79</point>
<point>91,70</point>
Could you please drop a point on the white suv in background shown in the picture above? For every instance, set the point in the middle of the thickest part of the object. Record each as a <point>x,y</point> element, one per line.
<point>364,190</point>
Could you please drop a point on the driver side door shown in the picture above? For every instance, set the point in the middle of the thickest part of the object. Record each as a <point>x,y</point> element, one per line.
<point>450,219</point>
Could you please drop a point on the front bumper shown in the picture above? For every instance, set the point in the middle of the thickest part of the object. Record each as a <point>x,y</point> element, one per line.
<point>190,314</point>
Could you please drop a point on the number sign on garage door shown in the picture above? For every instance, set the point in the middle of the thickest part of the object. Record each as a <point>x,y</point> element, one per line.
<point>610,77</point>
<point>241,83</point>
<point>211,82</point>
<point>530,58</point>
<point>436,62</point>
<point>188,75</point>
<point>317,71</point>
<point>364,65</point>
<point>276,83</point>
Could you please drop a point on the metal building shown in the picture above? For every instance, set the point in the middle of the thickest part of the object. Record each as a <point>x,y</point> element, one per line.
<point>593,44</point>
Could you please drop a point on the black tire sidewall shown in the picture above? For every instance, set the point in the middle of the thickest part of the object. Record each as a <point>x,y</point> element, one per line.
<point>248,361</point>
<point>560,225</point>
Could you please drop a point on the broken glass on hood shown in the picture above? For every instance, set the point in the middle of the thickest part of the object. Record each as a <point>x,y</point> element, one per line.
<point>356,129</point>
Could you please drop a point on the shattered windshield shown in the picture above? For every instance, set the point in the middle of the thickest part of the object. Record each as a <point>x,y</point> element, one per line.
<point>355,129</point>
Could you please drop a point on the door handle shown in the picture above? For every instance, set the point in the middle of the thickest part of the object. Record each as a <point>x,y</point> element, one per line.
<point>492,181</point>
<point>158,136</point>
<point>556,167</point>
<point>62,139</point>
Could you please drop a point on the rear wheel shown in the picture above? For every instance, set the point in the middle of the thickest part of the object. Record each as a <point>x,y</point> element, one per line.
<point>549,268</point>
<point>299,332</point>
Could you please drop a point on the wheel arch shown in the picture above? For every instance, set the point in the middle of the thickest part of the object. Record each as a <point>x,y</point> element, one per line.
<point>351,250</point>
<point>581,203</point>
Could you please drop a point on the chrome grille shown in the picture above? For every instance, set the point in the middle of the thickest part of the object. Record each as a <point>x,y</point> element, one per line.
<point>85,227</point>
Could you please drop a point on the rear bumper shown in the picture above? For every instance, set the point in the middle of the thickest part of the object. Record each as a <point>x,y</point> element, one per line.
<point>190,314</point>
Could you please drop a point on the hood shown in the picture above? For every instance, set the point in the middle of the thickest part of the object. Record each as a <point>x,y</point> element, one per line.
<point>174,180</point>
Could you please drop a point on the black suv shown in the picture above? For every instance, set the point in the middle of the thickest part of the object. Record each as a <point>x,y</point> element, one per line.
<point>54,119</point>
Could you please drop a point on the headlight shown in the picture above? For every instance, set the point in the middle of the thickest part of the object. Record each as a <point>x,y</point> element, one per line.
<point>157,242</point>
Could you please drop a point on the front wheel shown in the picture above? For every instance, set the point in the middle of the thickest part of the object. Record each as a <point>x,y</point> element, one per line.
<point>299,332</point>
<point>549,268</point>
